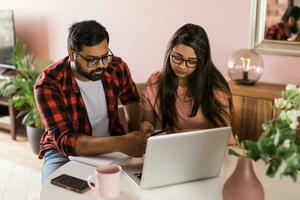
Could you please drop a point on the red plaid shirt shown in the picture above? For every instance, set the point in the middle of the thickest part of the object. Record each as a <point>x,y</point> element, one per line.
<point>62,108</point>
<point>276,32</point>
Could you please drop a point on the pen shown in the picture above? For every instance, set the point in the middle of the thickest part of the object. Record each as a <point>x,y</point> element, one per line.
<point>158,132</point>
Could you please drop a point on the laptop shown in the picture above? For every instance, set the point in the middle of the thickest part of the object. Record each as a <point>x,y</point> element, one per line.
<point>180,157</point>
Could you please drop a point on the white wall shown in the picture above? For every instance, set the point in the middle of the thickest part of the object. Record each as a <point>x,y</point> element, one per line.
<point>140,30</point>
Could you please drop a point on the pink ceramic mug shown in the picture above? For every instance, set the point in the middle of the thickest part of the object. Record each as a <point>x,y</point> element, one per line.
<point>107,180</point>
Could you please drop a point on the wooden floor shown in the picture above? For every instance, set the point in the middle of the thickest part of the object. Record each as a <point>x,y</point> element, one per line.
<point>20,169</point>
<point>18,151</point>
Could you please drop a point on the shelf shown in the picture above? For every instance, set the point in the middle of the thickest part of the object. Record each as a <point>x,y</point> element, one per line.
<point>5,119</point>
<point>5,122</point>
<point>259,90</point>
<point>8,116</point>
<point>4,103</point>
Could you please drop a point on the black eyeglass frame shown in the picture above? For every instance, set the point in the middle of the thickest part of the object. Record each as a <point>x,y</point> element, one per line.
<point>181,60</point>
<point>94,62</point>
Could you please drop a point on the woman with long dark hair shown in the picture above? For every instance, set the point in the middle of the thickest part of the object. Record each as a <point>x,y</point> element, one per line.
<point>189,93</point>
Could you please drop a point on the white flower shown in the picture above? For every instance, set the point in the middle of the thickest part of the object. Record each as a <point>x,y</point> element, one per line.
<point>294,125</point>
<point>290,87</point>
<point>283,115</point>
<point>292,114</point>
<point>291,117</point>
<point>287,143</point>
<point>288,106</point>
<point>280,103</point>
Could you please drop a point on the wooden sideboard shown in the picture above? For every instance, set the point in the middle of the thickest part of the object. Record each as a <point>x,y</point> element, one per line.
<point>252,107</point>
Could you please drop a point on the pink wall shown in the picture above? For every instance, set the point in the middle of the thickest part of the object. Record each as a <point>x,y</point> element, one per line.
<point>140,30</point>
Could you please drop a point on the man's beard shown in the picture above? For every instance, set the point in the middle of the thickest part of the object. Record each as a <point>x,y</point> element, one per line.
<point>89,75</point>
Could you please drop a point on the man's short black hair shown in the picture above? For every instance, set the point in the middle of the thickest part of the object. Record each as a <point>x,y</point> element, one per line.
<point>88,33</point>
<point>292,11</point>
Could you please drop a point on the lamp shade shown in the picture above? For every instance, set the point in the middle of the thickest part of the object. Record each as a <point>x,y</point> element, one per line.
<point>245,66</point>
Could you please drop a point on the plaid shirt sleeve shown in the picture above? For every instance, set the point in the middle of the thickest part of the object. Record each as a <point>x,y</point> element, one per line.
<point>55,119</point>
<point>128,92</point>
<point>274,33</point>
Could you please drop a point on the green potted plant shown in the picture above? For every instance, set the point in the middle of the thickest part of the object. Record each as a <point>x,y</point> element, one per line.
<point>20,88</point>
<point>279,144</point>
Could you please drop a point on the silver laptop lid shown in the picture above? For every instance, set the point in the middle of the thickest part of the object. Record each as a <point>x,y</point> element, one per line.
<point>183,157</point>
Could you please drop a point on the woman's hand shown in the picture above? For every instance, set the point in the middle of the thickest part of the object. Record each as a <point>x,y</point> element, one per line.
<point>146,128</point>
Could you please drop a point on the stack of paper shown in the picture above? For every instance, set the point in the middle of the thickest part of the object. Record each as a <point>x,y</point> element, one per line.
<point>104,159</point>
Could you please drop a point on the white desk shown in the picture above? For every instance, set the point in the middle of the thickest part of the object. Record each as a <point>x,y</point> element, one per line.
<point>210,189</point>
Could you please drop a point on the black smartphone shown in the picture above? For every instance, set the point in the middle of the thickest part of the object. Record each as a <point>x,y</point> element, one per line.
<point>71,183</point>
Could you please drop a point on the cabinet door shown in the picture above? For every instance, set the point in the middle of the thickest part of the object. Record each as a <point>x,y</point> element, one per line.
<point>248,116</point>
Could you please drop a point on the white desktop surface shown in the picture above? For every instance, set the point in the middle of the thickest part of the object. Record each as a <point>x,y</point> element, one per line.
<point>210,189</point>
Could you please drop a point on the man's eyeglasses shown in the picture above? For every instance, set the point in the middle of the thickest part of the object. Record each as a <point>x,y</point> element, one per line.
<point>94,62</point>
<point>188,63</point>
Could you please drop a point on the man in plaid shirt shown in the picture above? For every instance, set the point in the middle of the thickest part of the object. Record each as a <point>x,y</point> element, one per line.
<point>77,98</point>
<point>288,25</point>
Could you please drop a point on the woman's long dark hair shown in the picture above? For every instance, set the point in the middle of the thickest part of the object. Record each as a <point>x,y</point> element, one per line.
<point>201,83</point>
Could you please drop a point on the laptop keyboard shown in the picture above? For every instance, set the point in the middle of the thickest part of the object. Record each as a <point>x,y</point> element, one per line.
<point>139,175</point>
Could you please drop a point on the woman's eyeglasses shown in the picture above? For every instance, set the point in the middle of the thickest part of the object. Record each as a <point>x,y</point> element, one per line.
<point>188,63</point>
<point>94,62</point>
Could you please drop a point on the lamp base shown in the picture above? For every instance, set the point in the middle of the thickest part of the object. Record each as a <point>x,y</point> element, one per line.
<point>245,82</point>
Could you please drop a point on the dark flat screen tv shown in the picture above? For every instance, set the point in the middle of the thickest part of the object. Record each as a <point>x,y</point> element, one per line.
<point>7,40</point>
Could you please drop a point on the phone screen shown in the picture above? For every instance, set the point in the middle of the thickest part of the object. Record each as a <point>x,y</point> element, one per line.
<point>71,183</point>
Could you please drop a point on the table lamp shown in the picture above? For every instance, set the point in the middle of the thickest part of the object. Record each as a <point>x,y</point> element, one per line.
<point>245,67</point>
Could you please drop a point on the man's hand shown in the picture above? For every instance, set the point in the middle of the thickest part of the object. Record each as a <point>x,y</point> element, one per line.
<point>133,144</point>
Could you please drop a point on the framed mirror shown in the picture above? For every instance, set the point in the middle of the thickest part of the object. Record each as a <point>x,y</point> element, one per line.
<point>262,17</point>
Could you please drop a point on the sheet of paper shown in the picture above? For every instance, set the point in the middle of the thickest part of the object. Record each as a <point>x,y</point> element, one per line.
<point>104,159</point>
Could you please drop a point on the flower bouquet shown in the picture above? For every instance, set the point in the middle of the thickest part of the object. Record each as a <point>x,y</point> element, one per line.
<point>279,144</point>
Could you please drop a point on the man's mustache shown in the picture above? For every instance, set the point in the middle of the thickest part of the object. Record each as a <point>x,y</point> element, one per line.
<point>97,70</point>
